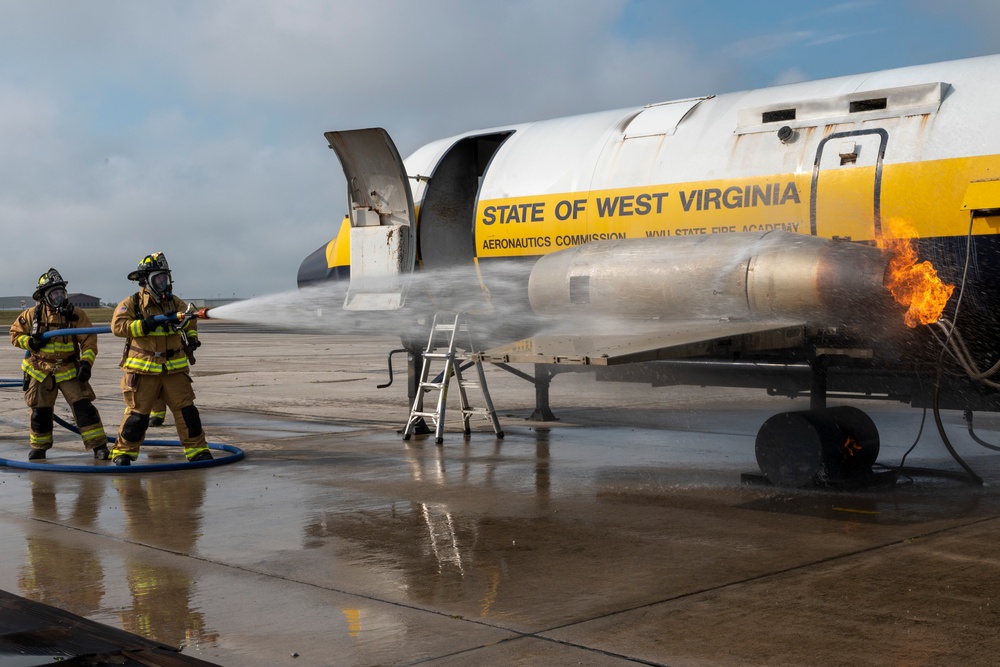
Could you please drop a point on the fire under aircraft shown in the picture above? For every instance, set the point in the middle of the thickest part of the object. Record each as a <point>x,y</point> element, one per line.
<point>833,238</point>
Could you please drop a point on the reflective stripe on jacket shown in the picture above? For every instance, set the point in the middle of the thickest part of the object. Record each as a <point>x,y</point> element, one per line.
<point>58,357</point>
<point>159,351</point>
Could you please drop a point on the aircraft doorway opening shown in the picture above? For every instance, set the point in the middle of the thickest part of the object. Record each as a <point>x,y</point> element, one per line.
<point>446,228</point>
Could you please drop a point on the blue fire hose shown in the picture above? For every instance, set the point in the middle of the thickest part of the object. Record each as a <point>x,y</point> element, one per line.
<point>237,453</point>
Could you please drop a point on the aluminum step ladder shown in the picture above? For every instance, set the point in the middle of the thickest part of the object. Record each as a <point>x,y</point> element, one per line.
<point>443,328</point>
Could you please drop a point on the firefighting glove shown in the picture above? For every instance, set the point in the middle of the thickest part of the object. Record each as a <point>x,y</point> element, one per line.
<point>193,343</point>
<point>149,324</point>
<point>83,372</point>
<point>35,343</point>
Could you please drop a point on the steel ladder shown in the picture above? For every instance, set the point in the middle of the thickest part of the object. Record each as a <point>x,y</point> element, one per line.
<point>449,353</point>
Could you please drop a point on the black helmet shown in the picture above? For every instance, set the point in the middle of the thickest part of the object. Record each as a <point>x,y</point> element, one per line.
<point>51,289</point>
<point>154,272</point>
<point>155,262</point>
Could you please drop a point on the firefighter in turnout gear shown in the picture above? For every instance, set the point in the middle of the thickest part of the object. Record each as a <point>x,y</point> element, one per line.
<point>156,363</point>
<point>58,364</point>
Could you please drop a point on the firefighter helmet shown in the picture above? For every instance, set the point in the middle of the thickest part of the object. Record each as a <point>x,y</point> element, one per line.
<point>48,282</point>
<point>154,272</point>
<point>148,264</point>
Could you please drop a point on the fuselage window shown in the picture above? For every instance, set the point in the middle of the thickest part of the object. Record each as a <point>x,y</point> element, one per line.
<point>869,105</point>
<point>778,115</point>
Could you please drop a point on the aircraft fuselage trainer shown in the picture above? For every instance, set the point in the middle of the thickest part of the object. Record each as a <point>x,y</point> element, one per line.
<point>834,237</point>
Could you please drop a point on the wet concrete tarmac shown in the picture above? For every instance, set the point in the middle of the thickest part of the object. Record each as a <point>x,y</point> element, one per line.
<point>621,534</point>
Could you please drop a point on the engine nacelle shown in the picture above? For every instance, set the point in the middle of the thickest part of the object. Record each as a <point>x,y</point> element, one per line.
<point>773,275</point>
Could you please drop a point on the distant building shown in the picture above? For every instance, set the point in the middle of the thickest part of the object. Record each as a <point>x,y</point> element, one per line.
<point>84,300</point>
<point>16,302</point>
<point>78,299</point>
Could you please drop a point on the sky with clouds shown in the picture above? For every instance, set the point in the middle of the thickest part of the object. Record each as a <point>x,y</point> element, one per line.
<point>195,127</point>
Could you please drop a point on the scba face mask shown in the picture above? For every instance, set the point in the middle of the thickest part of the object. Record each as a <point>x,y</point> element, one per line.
<point>56,297</point>
<point>160,283</point>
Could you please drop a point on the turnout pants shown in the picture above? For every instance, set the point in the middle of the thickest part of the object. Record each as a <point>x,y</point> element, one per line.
<point>141,393</point>
<point>41,398</point>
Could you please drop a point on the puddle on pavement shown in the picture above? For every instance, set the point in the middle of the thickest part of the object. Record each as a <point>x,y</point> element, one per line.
<point>266,427</point>
<point>538,526</point>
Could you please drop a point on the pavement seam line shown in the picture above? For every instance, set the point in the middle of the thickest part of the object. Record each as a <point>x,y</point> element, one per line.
<point>537,634</point>
<point>493,626</point>
<point>551,640</point>
<point>777,573</point>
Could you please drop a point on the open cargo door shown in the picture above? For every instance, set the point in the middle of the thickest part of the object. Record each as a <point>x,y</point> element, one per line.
<point>383,240</point>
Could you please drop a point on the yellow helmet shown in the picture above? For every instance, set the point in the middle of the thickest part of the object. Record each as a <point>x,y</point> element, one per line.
<point>154,274</point>
<point>47,281</point>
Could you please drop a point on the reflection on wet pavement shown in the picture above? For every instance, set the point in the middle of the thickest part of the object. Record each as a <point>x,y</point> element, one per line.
<point>164,513</point>
<point>597,542</point>
<point>59,573</point>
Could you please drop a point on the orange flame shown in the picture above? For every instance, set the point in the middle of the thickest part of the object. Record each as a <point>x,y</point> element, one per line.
<point>851,447</point>
<point>914,285</point>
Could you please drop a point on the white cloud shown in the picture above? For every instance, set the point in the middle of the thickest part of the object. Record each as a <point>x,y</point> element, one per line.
<point>196,128</point>
<point>791,75</point>
<point>762,44</point>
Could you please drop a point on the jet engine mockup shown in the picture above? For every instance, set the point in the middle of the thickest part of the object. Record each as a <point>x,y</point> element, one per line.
<point>747,276</point>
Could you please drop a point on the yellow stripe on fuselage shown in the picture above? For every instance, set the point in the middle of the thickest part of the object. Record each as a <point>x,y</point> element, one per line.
<point>927,194</point>
<point>338,250</point>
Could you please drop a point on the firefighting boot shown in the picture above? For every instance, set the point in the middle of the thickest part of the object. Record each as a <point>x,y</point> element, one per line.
<point>155,422</point>
<point>36,454</point>
<point>122,460</point>
<point>102,453</point>
<point>201,456</point>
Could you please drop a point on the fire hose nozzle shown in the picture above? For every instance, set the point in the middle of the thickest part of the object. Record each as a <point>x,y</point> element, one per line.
<point>192,313</point>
